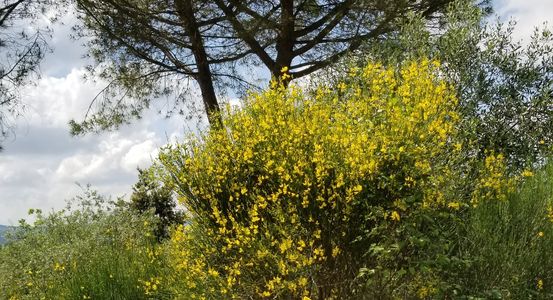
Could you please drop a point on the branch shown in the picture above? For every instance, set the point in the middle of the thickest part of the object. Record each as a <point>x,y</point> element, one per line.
<point>245,35</point>
<point>21,58</point>
<point>354,45</point>
<point>182,68</point>
<point>7,10</point>
<point>262,19</point>
<point>344,6</point>
<point>115,81</point>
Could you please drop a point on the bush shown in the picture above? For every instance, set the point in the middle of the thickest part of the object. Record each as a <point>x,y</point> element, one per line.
<point>297,193</point>
<point>149,197</point>
<point>98,251</point>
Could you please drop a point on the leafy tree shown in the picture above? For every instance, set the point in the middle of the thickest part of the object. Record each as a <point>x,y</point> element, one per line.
<point>23,44</point>
<point>149,196</point>
<point>147,49</point>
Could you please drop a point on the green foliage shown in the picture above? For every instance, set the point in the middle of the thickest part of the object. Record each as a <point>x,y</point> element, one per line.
<point>97,251</point>
<point>149,197</point>
<point>366,190</point>
<point>298,192</point>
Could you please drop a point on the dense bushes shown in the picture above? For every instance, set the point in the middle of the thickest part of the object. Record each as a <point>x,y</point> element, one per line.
<point>298,192</point>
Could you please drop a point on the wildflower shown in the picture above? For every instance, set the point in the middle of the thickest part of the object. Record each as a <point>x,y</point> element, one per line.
<point>539,285</point>
<point>395,216</point>
<point>335,251</point>
<point>540,234</point>
<point>342,86</point>
<point>458,146</point>
<point>285,245</point>
<point>527,173</point>
<point>453,205</point>
<point>59,267</point>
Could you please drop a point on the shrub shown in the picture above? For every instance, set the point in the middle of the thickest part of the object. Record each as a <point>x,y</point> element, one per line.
<point>148,196</point>
<point>297,193</point>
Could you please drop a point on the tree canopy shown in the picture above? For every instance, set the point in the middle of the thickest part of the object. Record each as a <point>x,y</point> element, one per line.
<point>144,49</point>
<point>21,50</point>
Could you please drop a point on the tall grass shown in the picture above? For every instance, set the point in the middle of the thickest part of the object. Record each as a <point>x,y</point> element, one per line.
<point>510,243</point>
<point>97,251</point>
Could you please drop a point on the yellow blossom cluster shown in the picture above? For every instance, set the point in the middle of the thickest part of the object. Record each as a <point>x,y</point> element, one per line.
<point>493,182</point>
<point>278,195</point>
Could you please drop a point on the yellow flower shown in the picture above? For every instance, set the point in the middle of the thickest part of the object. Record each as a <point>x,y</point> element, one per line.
<point>335,251</point>
<point>453,205</point>
<point>342,86</point>
<point>395,216</point>
<point>540,284</point>
<point>540,234</point>
<point>59,267</point>
<point>302,281</point>
<point>527,173</point>
<point>285,245</point>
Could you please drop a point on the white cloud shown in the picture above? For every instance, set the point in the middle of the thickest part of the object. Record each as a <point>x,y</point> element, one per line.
<point>528,14</point>
<point>54,101</point>
<point>139,155</point>
<point>39,168</point>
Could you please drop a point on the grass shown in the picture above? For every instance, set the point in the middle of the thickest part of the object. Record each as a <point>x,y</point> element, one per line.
<point>509,243</point>
<point>98,251</point>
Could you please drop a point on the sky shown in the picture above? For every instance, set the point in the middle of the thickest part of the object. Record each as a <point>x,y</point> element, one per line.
<point>42,165</point>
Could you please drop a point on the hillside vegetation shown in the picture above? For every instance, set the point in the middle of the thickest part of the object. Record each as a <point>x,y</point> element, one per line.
<point>363,191</point>
<point>414,162</point>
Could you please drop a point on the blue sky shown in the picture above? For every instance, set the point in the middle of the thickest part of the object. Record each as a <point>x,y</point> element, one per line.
<point>42,163</point>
